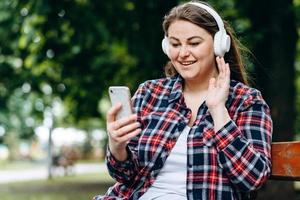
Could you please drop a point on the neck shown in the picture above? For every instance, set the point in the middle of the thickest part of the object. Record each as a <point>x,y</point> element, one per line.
<point>198,85</point>
<point>194,86</point>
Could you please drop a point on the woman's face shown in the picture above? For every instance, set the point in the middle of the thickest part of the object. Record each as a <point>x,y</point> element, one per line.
<point>191,51</point>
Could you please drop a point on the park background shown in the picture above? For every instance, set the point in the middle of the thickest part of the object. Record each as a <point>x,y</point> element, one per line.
<point>58,57</point>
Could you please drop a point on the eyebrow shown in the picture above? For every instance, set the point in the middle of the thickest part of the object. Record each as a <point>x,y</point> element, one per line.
<point>190,38</point>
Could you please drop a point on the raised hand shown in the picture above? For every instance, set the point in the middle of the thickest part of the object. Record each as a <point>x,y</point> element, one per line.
<point>120,132</point>
<point>218,88</point>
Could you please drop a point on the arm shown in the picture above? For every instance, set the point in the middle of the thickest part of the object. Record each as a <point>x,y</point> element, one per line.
<point>244,144</point>
<point>244,147</point>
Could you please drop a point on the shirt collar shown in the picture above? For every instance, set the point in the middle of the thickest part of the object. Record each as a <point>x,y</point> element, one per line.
<point>176,90</point>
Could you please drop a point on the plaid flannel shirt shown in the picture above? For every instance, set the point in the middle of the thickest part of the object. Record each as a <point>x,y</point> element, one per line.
<point>221,165</point>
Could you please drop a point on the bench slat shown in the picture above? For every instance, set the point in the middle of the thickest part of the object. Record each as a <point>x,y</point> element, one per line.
<point>286,161</point>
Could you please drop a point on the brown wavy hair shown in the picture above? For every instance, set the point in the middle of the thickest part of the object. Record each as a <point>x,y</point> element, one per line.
<point>203,19</point>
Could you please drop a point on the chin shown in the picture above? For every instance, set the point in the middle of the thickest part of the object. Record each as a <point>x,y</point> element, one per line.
<point>188,77</point>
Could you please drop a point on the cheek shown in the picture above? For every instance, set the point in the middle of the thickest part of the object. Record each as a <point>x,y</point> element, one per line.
<point>173,53</point>
<point>204,53</point>
<point>210,49</point>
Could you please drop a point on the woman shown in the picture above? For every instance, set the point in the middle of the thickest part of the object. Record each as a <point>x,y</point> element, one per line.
<point>200,133</point>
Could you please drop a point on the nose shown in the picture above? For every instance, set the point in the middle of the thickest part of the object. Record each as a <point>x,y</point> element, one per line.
<point>184,51</point>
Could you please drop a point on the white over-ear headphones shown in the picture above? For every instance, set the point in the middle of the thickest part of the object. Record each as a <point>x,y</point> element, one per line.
<point>221,39</point>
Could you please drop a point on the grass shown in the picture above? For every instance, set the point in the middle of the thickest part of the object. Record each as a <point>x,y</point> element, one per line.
<point>64,188</point>
<point>27,164</point>
<point>20,165</point>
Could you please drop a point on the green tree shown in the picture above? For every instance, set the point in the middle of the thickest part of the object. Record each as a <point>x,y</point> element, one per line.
<point>74,49</point>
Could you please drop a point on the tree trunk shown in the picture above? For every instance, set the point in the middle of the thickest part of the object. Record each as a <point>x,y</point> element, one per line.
<point>274,37</point>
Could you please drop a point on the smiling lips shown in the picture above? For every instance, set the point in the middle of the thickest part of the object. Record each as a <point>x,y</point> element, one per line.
<point>186,63</point>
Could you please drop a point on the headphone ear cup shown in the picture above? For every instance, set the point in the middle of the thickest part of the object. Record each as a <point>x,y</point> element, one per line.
<point>221,43</point>
<point>226,42</point>
<point>165,46</point>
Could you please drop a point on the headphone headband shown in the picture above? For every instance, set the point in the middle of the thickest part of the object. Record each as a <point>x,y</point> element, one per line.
<point>222,41</point>
<point>212,12</point>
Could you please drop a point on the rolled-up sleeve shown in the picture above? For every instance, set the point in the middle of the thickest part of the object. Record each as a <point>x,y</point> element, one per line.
<point>121,171</point>
<point>244,145</point>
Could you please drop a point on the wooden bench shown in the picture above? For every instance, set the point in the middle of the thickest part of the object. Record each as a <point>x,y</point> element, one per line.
<point>286,161</point>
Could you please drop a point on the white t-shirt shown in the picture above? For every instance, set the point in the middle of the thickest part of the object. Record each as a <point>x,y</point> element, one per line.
<point>171,180</point>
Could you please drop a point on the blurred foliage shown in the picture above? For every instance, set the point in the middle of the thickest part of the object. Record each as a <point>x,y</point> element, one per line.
<point>70,51</point>
<point>65,53</point>
<point>297,65</point>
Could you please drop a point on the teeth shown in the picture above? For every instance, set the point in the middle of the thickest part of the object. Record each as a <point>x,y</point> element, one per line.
<point>187,63</point>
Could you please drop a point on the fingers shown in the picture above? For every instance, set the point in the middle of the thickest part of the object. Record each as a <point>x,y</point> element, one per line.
<point>122,137</point>
<point>221,65</point>
<point>212,83</point>
<point>126,129</point>
<point>123,129</point>
<point>224,70</point>
<point>227,70</point>
<point>123,122</point>
<point>130,135</point>
<point>112,112</point>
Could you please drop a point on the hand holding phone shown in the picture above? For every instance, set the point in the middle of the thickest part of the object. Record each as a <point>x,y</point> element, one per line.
<point>121,131</point>
<point>121,94</point>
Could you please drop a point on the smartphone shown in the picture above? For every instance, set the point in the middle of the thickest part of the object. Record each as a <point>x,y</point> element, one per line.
<point>121,94</point>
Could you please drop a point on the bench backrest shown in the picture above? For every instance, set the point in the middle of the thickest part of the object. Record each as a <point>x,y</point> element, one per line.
<point>286,161</point>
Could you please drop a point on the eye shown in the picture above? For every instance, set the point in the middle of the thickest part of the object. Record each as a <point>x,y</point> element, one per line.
<point>175,45</point>
<point>194,44</point>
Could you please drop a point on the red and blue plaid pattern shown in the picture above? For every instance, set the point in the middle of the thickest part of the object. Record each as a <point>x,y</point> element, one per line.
<point>221,165</point>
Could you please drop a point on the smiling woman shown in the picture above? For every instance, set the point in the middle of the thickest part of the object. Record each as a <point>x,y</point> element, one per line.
<point>191,51</point>
<point>201,133</point>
